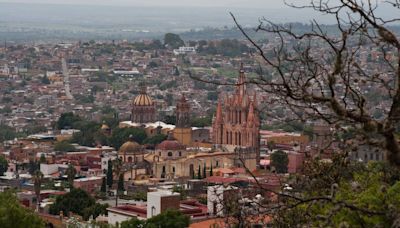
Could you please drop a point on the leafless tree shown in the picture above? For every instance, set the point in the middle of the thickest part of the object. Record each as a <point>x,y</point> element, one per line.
<point>326,76</point>
<point>323,76</point>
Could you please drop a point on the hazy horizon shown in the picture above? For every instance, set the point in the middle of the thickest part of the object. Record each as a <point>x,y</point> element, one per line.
<point>123,19</point>
<point>162,3</point>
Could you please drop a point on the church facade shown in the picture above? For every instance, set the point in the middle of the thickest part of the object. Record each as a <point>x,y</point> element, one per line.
<point>143,108</point>
<point>237,124</point>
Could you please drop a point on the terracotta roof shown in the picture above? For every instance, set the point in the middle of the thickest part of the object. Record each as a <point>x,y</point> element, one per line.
<point>143,100</point>
<point>130,147</point>
<point>170,145</point>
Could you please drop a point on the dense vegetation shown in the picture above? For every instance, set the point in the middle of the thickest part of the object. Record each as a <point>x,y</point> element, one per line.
<point>169,218</point>
<point>13,214</point>
<point>78,202</point>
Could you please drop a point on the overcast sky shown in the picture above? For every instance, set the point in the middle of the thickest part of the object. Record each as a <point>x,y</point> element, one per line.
<point>205,3</point>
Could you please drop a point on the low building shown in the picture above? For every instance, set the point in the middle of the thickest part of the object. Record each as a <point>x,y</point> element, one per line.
<point>89,184</point>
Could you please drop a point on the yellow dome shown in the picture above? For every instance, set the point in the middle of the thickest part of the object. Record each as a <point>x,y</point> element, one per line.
<point>130,147</point>
<point>143,100</point>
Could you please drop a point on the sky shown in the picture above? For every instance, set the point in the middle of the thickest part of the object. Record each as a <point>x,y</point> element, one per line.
<point>204,3</point>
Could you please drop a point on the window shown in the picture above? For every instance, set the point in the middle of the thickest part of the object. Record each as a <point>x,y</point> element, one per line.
<point>180,154</point>
<point>173,169</point>
<point>170,154</point>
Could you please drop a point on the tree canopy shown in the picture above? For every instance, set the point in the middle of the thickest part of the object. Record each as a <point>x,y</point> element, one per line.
<point>280,161</point>
<point>13,214</point>
<point>121,135</point>
<point>172,40</point>
<point>169,218</point>
<point>74,201</point>
<point>3,165</point>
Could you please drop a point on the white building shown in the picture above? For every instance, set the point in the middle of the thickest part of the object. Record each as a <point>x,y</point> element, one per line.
<point>184,50</point>
<point>215,199</point>
<point>158,201</point>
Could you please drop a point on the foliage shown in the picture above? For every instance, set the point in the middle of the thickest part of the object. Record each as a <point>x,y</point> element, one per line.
<point>204,171</point>
<point>3,165</point>
<point>45,80</point>
<point>170,119</point>
<point>121,135</point>
<point>94,211</point>
<point>13,214</point>
<point>109,174</point>
<point>67,120</point>
<point>121,187</point>
<point>7,133</point>
<point>280,160</point>
<point>74,201</point>
<point>226,47</point>
<point>201,121</point>
<point>71,173</point>
<point>169,218</point>
<point>199,173</point>
<point>64,146</point>
<point>155,140</point>
<point>33,166</point>
<point>212,95</point>
<point>173,41</point>
<point>103,185</point>
<point>363,196</point>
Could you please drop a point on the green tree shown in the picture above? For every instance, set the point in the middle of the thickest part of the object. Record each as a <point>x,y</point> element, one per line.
<point>7,133</point>
<point>64,146</point>
<point>37,184</point>
<point>3,165</point>
<point>155,140</point>
<point>169,218</point>
<point>360,198</point>
<point>94,211</point>
<point>118,171</point>
<point>42,159</point>
<point>199,173</point>
<point>121,187</point>
<point>280,160</point>
<point>67,120</point>
<point>133,223</point>
<point>173,41</point>
<point>33,166</point>
<point>204,171</point>
<point>122,135</point>
<point>103,185</point>
<point>71,173</point>
<point>109,174</point>
<point>201,121</point>
<point>74,201</point>
<point>13,214</point>
<point>45,80</point>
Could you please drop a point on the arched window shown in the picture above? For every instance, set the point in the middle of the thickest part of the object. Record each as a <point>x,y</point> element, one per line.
<point>216,163</point>
<point>173,169</point>
<point>129,159</point>
<point>180,154</point>
<point>170,154</point>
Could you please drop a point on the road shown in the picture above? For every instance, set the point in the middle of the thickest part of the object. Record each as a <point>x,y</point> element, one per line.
<point>66,79</point>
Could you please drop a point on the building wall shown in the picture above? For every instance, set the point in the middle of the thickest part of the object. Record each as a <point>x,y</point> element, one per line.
<point>114,218</point>
<point>183,135</point>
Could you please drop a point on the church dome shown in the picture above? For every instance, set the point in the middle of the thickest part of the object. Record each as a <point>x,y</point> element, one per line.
<point>170,144</point>
<point>130,147</point>
<point>142,100</point>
